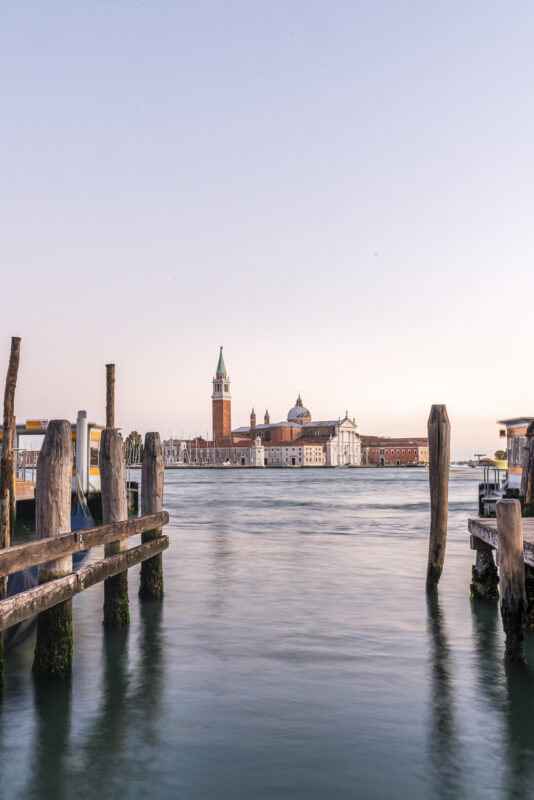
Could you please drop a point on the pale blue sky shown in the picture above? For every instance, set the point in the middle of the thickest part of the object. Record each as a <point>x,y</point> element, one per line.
<point>341,193</point>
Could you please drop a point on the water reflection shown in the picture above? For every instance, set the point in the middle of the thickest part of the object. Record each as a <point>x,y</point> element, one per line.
<point>489,654</point>
<point>222,570</point>
<point>104,740</point>
<point>510,692</point>
<point>147,697</point>
<point>90,762</point>
<point>443,737</point>
<point>47,776</point>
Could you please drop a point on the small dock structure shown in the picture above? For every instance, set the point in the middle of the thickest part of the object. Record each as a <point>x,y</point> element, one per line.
<point>50,601</point>
<point>511,537</point>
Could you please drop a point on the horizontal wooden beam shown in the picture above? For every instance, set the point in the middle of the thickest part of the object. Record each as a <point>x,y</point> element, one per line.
<point>31,554</point>
<point>486,530</point>
<point>40,598</point>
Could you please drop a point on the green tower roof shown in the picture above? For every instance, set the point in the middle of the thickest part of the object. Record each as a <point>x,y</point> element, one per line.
<point>221,369</point>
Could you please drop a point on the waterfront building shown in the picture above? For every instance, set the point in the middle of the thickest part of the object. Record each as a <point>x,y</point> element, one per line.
<point>296,441</point>
<point>515,430</point>
<point>298,453</point>
<point>384,451</point>
<point>299,437</point>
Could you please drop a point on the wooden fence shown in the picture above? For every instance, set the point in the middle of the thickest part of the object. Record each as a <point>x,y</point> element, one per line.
<point>21,606</point>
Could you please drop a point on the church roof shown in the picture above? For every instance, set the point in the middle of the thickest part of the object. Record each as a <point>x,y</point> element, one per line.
<point>299,411</point>
<point>268,426</point>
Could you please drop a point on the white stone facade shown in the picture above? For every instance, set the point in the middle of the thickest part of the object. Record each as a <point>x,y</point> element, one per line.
<point>294,454</point>
<point>344,447</point>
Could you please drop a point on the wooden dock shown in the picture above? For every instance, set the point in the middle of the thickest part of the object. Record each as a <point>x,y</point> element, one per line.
<point>24,490</point>
<point>486,531</point>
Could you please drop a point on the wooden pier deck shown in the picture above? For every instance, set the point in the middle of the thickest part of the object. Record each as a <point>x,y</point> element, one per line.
<point>24,490</point>
<point>486,531</point>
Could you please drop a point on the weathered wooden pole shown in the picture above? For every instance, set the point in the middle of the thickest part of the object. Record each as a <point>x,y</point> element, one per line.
<point>53,649</point>
<point>110,395</point>
<point>439,446</point>
<point>527,477</point>
<point>512,575</point>
<point>151,583</point>
<point>114,508</point>
<point>7,476</point>
<point>485,577</point>
<point>7,464</point>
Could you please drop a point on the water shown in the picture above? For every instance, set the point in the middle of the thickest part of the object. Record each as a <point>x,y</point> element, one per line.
<point>294,656</point>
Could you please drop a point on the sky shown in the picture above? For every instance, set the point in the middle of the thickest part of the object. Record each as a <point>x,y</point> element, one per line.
<point>340,193</point>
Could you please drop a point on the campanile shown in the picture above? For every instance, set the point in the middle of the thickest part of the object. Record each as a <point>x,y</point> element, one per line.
<point>221,401</point>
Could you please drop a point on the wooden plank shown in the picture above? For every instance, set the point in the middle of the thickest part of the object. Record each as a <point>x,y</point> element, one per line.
<point>40,598</point>
<point>31,554</point>
<point>486,530</point>
<point>24,490</point>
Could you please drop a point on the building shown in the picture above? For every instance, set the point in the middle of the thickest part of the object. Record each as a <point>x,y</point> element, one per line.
<point>298,453</point>
<point>199,452</point>
<point>388,452</point>
<point>221,402</point>
<point>296,441</point>
<point>299,437</point>
<point>515,430</point>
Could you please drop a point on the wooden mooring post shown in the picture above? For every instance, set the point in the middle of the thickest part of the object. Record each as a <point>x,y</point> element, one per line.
<point>151,582</point>
<point>53,649</point>
<point>512,577</point>
<point>110,395</point>
<point>7,474</point>
<point>439,445</point>
<point>114,508</point>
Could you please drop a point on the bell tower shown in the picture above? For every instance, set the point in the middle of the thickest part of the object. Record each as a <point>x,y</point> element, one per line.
<point>221,401</point>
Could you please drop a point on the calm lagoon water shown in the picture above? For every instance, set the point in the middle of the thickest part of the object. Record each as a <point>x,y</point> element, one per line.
<point>294,656</point>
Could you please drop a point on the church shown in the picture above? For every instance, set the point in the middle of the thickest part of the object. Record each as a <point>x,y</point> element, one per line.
<point>298,441</point>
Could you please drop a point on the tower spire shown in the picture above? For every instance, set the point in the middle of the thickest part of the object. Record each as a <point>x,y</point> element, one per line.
<point>221,368</point>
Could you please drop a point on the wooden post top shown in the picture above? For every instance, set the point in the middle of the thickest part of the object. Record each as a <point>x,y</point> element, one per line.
<point>438,414</point>
<point>110,395</point>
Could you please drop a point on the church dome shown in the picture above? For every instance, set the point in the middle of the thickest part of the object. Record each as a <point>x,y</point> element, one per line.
<point>299,413</point>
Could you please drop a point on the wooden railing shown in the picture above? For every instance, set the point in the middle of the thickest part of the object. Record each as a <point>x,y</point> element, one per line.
<point>40,598</point>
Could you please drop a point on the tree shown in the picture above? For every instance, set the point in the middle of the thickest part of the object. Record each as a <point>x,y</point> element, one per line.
<point>499,455</point>
<point>133,448</point>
